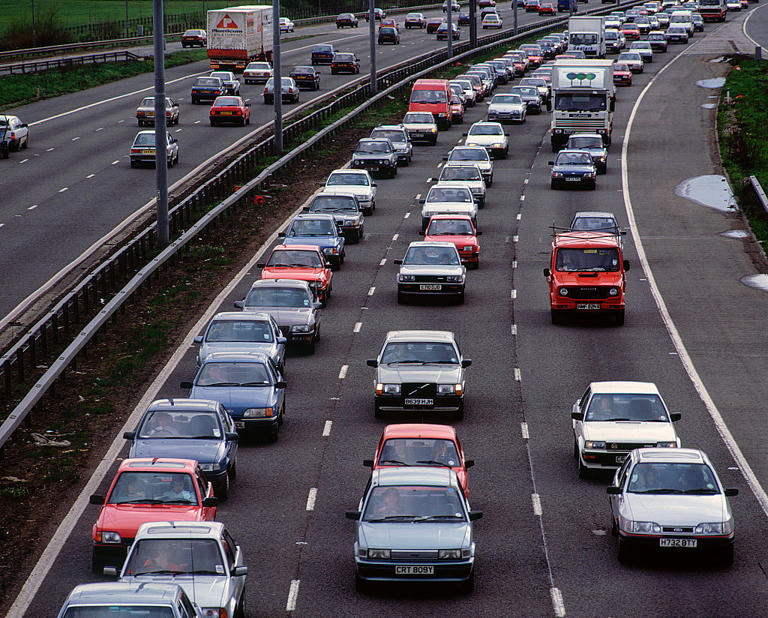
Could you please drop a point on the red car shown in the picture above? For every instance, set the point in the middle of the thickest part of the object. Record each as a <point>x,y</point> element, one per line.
<point>389,23</point>
<point>433,23</point>
<point>535,55</point>
<point>483,4</point>
<point>303,263</point>
<point>459,230</point>
<point>547,8</point>
<point>230,109</point>
<point>457,109</point>
<point>622,76</point>
<point>194,38</point>
<point>630,32</point>
<point>413,444</point>
<point>159,489</point>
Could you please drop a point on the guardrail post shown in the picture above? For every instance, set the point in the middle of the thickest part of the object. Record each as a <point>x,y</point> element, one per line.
<point>20,364</point>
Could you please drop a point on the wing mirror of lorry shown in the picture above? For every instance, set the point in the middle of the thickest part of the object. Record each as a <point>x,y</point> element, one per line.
<point>626,265</point>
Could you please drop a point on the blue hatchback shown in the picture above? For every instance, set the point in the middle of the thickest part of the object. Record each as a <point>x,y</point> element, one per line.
<point>190,429</point>
<point>573,168</point>
<point>248,384</point>
<point>320,230</point>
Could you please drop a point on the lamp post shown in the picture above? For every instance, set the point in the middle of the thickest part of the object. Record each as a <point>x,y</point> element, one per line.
<point>277,77</point>
<point>161,150</point>
<point>450,29</point>
<point>372,37</point>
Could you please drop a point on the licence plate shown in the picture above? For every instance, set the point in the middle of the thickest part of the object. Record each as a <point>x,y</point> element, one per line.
<point>417,134</point>
<point>419,402</point>
<point>374,168</point>
<point>147,152</point>
<point>430,287</point>
<point>588,306</point>
<point>688,543</point>
<point>239,424</point>
<point>225,113</point>
<point>407,569</point>
<point>572,179</point>
<point>620,459</point>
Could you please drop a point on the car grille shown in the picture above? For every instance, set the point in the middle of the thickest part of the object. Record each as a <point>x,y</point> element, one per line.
<point>627,446</point>
<point>589,292</point>
<point>409,555</point>
<point>579,123</point>
<point>678,529</point>
<point>418,390</point>
<point>432,278</point>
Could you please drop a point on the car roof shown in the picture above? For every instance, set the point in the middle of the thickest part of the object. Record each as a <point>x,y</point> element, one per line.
<point>329,192</point>
<point>122,593</point>
<point>451,218</point>
<point>153,464</point>
<point>239,317</point>
<point>595,135</point>
<point>347,170</point>
<point>390,127</point>
<point>594,213</point>
<point>313,216</point>
<point>180,529</point>
<point>183,403</point>
<point>621,386</point>
<point>578,239</point>
<point>420,335</point>
<point>671,455</point>
<point>236,356</point>
<point>295,247</point>
<point>414,475</point>
<point>419,430</point>
<point>280,283</point>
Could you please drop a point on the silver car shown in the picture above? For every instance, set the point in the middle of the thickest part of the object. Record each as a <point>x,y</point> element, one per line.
<point>593,143</point>
<point>421,126</point>
<point>431,269</point>
<point>472,155</point>
<point>290,90</point>
<point>644,49</point>
<point>231,83</point>
<point>467,175</point>
<point>236,331</point>
<point>293,305</point>
<point>452,199</point>
<point>145,112</point>
<point>143,149</point>
<point>669,500</point>
<point>398,135</point>
<point>201,557</point>
<point>358,182</point>
<point>490,135</point>
<point>121,599</point>
<point>415,525</point>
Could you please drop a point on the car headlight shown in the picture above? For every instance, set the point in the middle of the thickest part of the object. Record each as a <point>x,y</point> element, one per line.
<point>446,389</point>
<point>380,554</point>
<point>594,444</point>
<point>645,527</point>
<point>499,145</point>
<point>406,277</point>
<point>563,291</point>
<point>387,389</point>
<point>110,537</point>
<point>258,412</point>
<point>669,444</point>
<point>441,115</point>
<point>363,198</point>
<point>349,222</point>
<point>589,175</point>
<point>613,291</point>
<point>330,250</point>
<point>455,278</point>
<point>214,612</point>
<point>432,130</point>
<point>723,527</point>
<point>209,467</point>
<point>301,328</point>
<point>557,174</point>
<point>448,554</point>
<point>467,248</point>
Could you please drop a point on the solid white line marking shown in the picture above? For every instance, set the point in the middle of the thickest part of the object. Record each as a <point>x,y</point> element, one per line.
<point>63,189</point>
<point>116,162</point>
<point>371,290</point>
<point>327,428</point>
<point>32,207</point>
<point>515,238</point>
<point>90,175</point>
<point>358,326</point>
<point>524,430</point>
<point>395,237</point>
<point>418,196</point>
<point>519,216</point>
<point>74,139</point>
<point>406,215</point>
<point>557,602</point>
<point>693,374</point>
<point>311,498</point>
<point>536,504</point>
<point>513,329</point>
<point>513,294</point>
<point>517,374</point>
<point>293,595</point>
<point>343,372</point>
<point>383,261</point>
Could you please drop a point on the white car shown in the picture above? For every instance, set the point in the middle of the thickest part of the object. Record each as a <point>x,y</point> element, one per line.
<point>492,20</point>
<point>644,49</point>
<point>201,557</point>
<point>468,175</point>
<point>358,182</point>
<point>671,500</point>
<point>613,418</point>
<point>632,59</point>
<point>490,135</point>
<point>453,199</point>
<point>421,127</point>
<point>470,94</point>
<point>472,155</point>
<point>507,106</point>
<point>257,73</point>
<point>286,25</point>
<point>143,149</point>
<point>16,132</point>
<point>145,112</point>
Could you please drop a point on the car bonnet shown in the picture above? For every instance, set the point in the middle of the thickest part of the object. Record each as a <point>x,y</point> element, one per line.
<point>442,374</point>
<point>423,536</point>
<point>676,509</point>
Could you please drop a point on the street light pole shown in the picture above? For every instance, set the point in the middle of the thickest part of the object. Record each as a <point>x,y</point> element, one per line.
<point>514,13</point>
<point>161,150</point>
<point>450,30</point>
<point>277,77</point>
<point>126,19</point>
<point>372,37</point>
<point>473,23</point>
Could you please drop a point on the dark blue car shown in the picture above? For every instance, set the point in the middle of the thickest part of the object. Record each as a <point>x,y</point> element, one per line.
<point>573,168</point>
<point>248,384</point>
<point>207,89</point>
<point>190,429</point>
<point>320,230</point>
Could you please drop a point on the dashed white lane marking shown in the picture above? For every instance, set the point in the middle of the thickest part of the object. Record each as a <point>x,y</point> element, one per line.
<point>519,216</point>
<point>513,329</point>
<point>514,263</point>
<point>513,294</point>
<point>515,238</point>
<point>178,130</point>
<point>100,129</point>
<point>383,261</point>
<point>517,374</point>
<point>49,149</point>
<point>116,162</point>
<point>74,139</point>
<point>90,175</point>
<point>418,196</point>
<point>343,372</point>
<point>327,428</point>
<point>32,207</point>
<point>524,430</point>
<point>197,122</point>
<point>120,121</point>
<point>23,161</point>
<point>395,237</point>
<point>293,595</point>
<point>525,182</point>
<point>63,189</point>
<point>406,215</point>
<point>311,498</point>
<point>557,602</point>
<point>371,290</point>
<point>439,165</point>
<point>358,326</point>
<point>536,504</point>
<point>522,198</point>
<point>2,224</point>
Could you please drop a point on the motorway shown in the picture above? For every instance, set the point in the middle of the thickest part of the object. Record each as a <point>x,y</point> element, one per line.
<point>74,184</point>
<point>692,328</point>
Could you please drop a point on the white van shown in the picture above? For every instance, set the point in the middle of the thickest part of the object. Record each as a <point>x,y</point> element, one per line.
<point>682,18</point>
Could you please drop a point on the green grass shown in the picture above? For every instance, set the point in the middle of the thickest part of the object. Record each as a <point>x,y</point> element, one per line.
<point>742,127</point>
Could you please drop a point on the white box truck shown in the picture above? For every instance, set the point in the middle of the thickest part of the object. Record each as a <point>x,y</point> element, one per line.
<point>586,34</point>
<point>239,34</point>
<point>583,98</point>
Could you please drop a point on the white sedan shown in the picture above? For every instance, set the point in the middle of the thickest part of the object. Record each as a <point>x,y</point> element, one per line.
<point>448,200</point>
<point>16,132</point>
<point>358,182</point>
<point>491,136</point>
<point>286,25</point>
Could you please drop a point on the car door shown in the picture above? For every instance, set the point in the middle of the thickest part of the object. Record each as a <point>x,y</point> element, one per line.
<point>621,481</point>
<point>229,427</point>
<point>206,491</point>
<point>280,347</point>
<point>276,376</point>
<point>580,406</point>
<point>234,557</point>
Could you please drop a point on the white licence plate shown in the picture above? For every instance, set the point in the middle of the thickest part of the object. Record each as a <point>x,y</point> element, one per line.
<point>688,543</point>
<point>572,179</point>
<point>408,569</point>
<point>417,135</point>
<point>419,402</point>
<point>588,306</point>
<point>431,287</point>
<point>620,459</point>
<point>239,425</point>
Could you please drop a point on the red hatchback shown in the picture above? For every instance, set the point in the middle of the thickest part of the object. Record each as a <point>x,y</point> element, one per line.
<point>159,489</point>
<point>547,8</point>
<point>230,110</point>
<point>303,263</point>
<point>622,76</point>
<point>630,31</point>
<point>459,230</point>
<point>417,444</point>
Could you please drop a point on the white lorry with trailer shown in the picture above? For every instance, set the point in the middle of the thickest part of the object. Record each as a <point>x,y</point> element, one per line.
<point>238,35</point>
<point>585,34</point>
<point>583,98</point>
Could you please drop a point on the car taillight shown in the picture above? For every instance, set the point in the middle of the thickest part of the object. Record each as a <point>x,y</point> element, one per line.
<point>135,149</point>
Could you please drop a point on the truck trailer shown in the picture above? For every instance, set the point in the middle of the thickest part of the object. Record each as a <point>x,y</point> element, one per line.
<point>239,34</point>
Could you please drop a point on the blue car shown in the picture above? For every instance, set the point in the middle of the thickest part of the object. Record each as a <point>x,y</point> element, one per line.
<point>248,384</point>
<point>573,168</point>
<point>320,230</point>
<point>190,429</point>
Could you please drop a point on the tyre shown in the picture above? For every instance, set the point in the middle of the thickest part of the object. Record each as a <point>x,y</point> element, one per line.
<point>726,556</point>
<point>556,318</point>
<point>460,299</point>
<point>133,163</point>
<point>233,470</point>
<point>248,120</point>
<point>213,124</point>
<point>575,449</point>
<point>360,234</point>
<point>273,433</point>
<point>312,345</point>
<point>361,585</point>
<point>222,488</point>
<point>584,472</point>
<point>459,414</point>
<point>468,586</point>
<point>620,318</point>
<point>194,100</point>
<point>26,142</point>
<point>97,564</point>
<point>400,298</point>
<point>240,609</point>
<point>624,551</point>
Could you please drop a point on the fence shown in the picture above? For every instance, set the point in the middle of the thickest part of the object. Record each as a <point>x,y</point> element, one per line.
<point>64,63</point>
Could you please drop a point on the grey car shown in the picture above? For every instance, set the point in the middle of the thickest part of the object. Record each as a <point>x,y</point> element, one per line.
<point>376,156</point>
<point>346,210</point>
<point>129,599</point>
<point>235,331</point>
<point>292,304</point>
<point>418,371</point>
<point>666,500</point>
<point>415,525</point>
<point>431,269</point>
<point>143,149</point>
<point>596,221</point>
<point>289,90</point>
<point>398,135</point>
<point>530,96</point>
<point>231,83</point>
<point>592,143</point>
<point>145,112</point>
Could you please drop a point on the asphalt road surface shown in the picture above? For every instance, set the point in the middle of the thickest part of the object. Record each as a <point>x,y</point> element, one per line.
<point>559,559</point>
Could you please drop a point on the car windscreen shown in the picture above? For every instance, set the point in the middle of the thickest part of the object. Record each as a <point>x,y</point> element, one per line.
<point>394,136</point>
<point>449,194</point>
<point>113,610</point>
<point>488,129</point>
<point>573,102</point>
<point>533,81</point>
<point>417,118</point>
<point>303,70</point>
<point>312,227</point>
<point>594,224</point>
<point>620,67</point>
<point>227,102</point>
<point>251,331</point>
<point>460,172</point>
<point>468,154</point>
<point>585,142</point>
<point>171,556</point>
<point>413,504</point>
<point>588,260</point>
<point>145,139</point>
<point>344,58</point>
<point>419,452</point>
<point>673,478</point>
<point>294,258</point>
<point>258,66</point>
<point>342,178</point>
<point>322,49</point>
<point>626,407</point>
<point>180,424</point>
<point>528,91</point>
<point>631,56</point>
<point>153,487</point>
<point>450,227</point>
<point>333,203</point>
<point>507,99</point>
<point>278,297</point>
<point>233,373</point>
<point>373,148</point>
<point>429,96</point>
<point>431,256</point>
<point>208,81</point>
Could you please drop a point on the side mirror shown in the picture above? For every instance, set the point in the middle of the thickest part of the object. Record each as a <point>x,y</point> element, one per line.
<point>398,262</point>
<point>305,209</point>
<point>186,385</point>
<point>198,339</point>
<point>475,515</point>
<point>261,264</point>
<point>209,502</point>
<point>445,158</point>
<point>129,435</point>
<point>239,571</point>
<point>550,162</point>
<point>547,272</point>
<point>352,515</point>
<point>675,416</point>
<point>626,265</point>
<point>281,234</point>
<point>110,571</point>
<point>282,340</point>
<point>506,135</point>
<point>239,304</point>
<point>232,436</point>
<point>368,463</point>
<point>731,492</point>
<point>421,201</point>
<point>468,463</point>
<point>281,384</point>
<point>317,305</point>
<point>478,232</point>
<point>464,134</point>
<point>96,499</point>
<point>577,416</point>
<point>613,490</point>
<point>466,362</point>
<point>372,362</point>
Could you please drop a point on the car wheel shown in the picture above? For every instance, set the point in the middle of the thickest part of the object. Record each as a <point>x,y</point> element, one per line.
<point>584,472</point>
<point>556,317</point>
<point>624,551</point>
<point>240,609</point>
<point>368,212</point>
<point>273,433</point>
<point>459,415</point>
<point>333,72</point>
<point>400,298</point>
<point>97,564</point>
<point>213,124</point>
<point>620,317</point>
<point>552,184</point>
<point>377,412</point>
<point>233,470</point>
<point>222,488</point>
<point>614,527</point>
<point>360,234</point>
<point>468,586</point>
<point>26,141</point>
<point>361,585</point>
<point>248,120</point>
<point>726,556</point>
<point>575,449</point>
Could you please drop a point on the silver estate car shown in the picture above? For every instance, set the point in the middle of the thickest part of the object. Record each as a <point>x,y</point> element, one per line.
<point>431,269</point>
<point>122,599</point>
<point>415,525</point>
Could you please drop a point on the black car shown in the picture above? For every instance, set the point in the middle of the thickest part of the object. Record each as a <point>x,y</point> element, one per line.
<point>306,77</point>
<point>464,19</point>
<point>346,20</point>
<point>387,34</point>
<point>207,88</point>
<point>530,96</point>
<point>375,155</point>
<point>322,54</point>
<point>345,62</point>
<point>573,167</point>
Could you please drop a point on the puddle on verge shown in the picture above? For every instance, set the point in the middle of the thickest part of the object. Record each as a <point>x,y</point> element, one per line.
<point>759,282</point>
<point>711,190</point>
<point>715,82</point>
<point>735,234</point>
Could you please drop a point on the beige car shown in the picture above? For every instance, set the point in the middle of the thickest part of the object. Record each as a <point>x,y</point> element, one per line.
<point>145,113</point>
<point>257,73</point>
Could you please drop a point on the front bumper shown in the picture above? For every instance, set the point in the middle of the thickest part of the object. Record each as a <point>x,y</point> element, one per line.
<point>396,403</point>
<point>255,424</point>
<point>446,289</point>
<point>704,544</point>
<point>444,570</point>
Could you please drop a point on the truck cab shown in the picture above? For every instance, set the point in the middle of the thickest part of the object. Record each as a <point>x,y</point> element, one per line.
<point>587,275</point>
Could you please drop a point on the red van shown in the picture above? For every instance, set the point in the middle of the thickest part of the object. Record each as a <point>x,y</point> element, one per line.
<point>432,95</point>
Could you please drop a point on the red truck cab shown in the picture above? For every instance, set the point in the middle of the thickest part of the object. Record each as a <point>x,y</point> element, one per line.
<point>587,275</point>
<point>432,95</point>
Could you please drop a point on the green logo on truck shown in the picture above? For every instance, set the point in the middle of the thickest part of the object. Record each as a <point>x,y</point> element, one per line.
<point>581,78</point>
